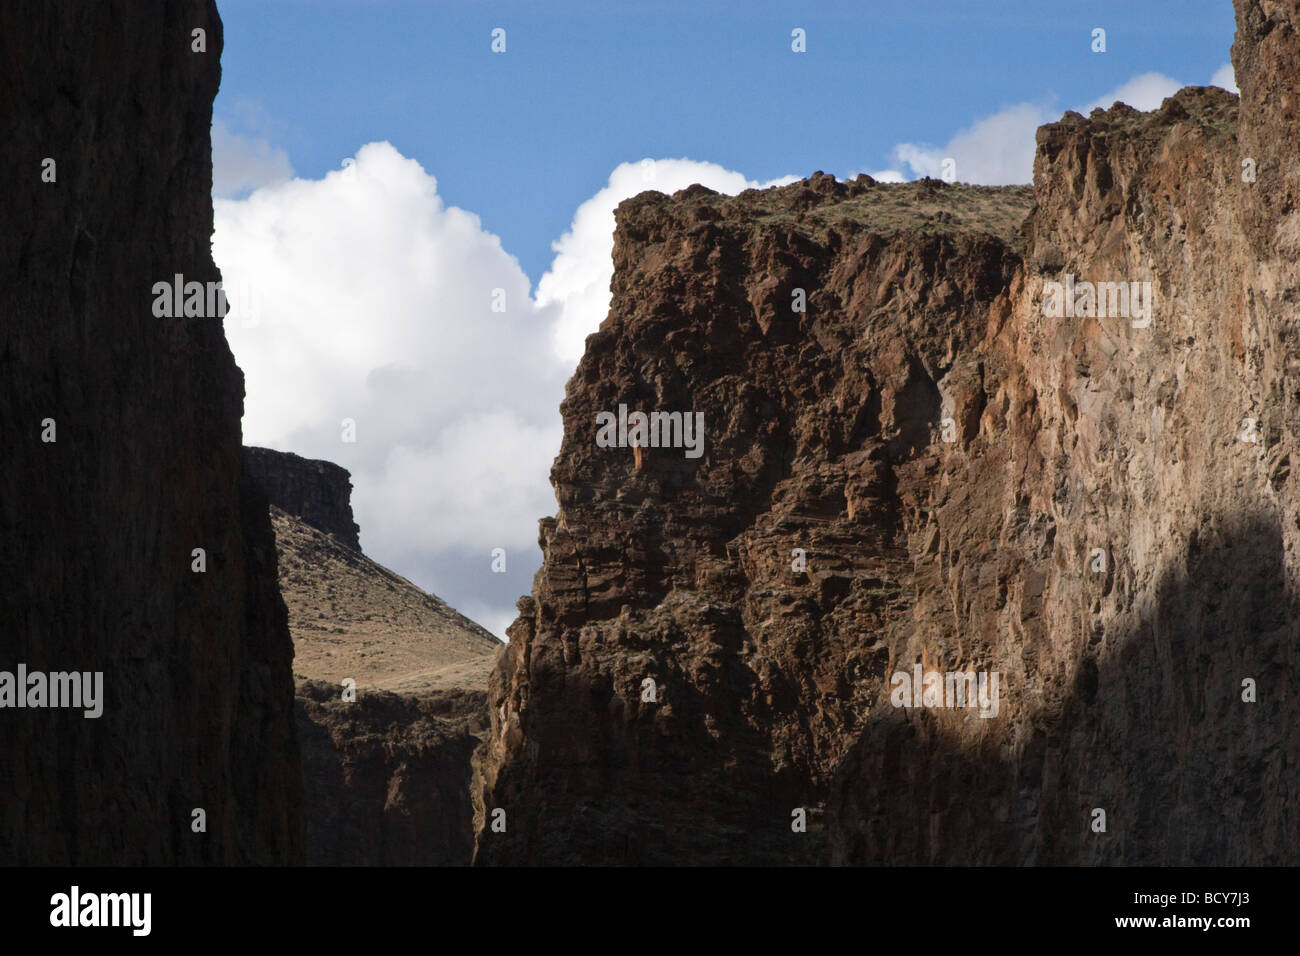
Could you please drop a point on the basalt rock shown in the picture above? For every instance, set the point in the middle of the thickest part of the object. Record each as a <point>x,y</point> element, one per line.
<point>388,776</point>
<point>391,701</point>
<point>318,492</point>
<point>121,458</point>
<point>929,468</point>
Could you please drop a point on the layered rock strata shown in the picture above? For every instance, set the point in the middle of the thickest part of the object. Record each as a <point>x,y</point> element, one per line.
<point>935,466</point>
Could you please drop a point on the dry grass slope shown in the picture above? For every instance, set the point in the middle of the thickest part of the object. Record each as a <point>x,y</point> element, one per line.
<point>351,617</point>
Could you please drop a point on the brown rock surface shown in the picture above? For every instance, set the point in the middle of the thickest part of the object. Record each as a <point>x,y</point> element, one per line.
<point>317,492</point>
<point>387,775</point>
<point>97,527</point>
<point>1121,689</point>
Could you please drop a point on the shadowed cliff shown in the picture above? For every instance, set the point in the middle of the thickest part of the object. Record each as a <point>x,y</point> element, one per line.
<point>121,436</point>
<point>386,758</point>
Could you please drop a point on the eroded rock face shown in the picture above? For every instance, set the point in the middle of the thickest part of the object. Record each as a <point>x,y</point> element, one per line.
<point>1075,503</point>
<point>391,681</point>
<point>98,527</point>
<point>318,492</point>
<point>818,439</point>
<point>388,775</point>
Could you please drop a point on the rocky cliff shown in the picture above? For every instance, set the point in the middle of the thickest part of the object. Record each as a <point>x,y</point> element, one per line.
<point>317,492</point>
<point>389,776</point>
<point>132,544</point>
<point>916,460</point>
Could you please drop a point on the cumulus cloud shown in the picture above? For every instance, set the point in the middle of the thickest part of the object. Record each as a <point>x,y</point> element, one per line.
<point>492,490</point>
<point>991,151</point>
<point>1144,92</point>
<point>577,284</point>
<point>241,164</point>
<point>884,176</point>
<point>362,296</point>
<point>1226,77</point>
<point>998,150</point>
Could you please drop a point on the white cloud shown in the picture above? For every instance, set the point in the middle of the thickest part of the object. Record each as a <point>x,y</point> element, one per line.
<point>998,150</point>
<point>241,164</point>
<point>1225,77</point>
<point>373,301</point>
<point>1144,92</point>
<point>578,281</point>
<point>992,151</point>
<point>884,176</point>
<point>480,484</point>
<point>495,618</point>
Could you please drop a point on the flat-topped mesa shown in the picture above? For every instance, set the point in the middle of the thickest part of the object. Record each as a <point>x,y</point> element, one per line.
<point>319,492</point>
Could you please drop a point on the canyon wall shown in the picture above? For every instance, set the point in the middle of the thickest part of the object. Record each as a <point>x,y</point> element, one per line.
<point>121,435</point>
<point>931,466</point>
<point>388,776</point>
<point>386,759</point>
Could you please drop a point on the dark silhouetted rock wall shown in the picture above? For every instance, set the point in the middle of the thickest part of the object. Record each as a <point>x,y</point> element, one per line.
<point>99,526</point>
<point>388,776</point>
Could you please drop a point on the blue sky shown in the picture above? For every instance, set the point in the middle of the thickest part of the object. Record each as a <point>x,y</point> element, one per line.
<point>523,137</point>
<point>438,291</point>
